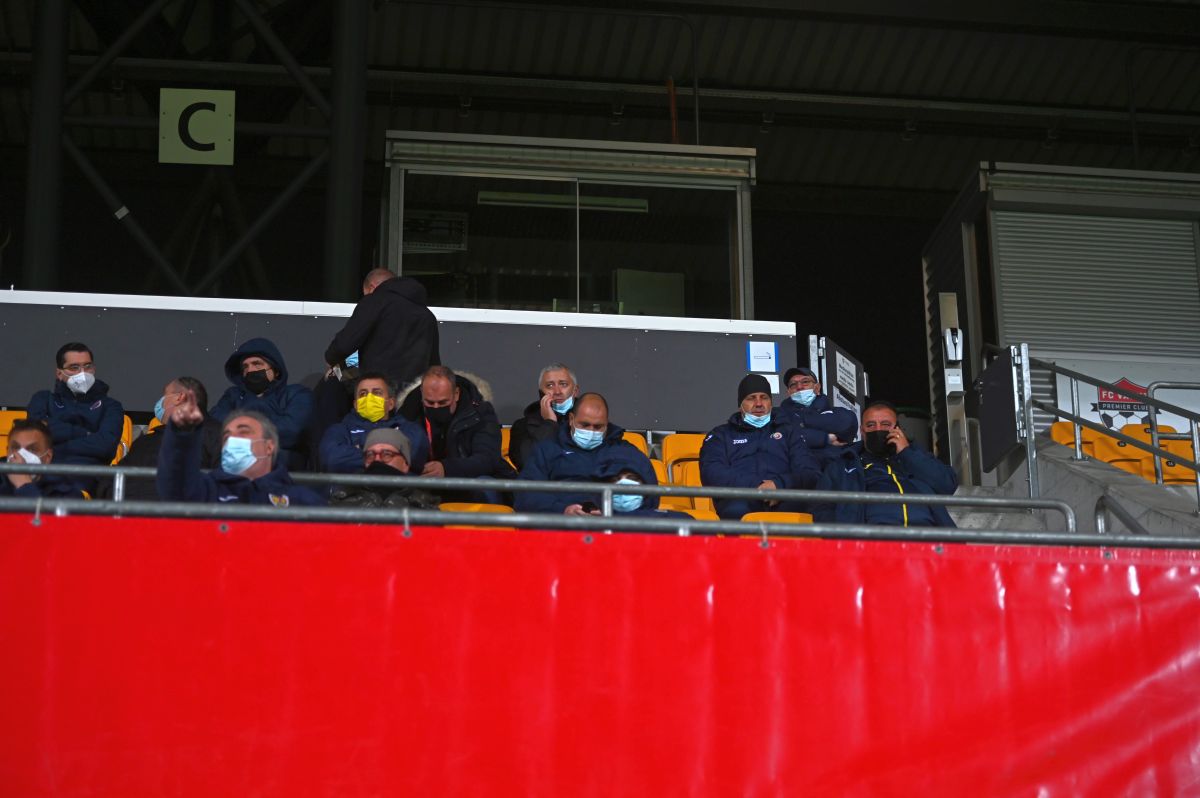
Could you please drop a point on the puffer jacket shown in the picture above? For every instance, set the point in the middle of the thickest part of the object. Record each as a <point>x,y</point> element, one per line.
<point>288,406</point>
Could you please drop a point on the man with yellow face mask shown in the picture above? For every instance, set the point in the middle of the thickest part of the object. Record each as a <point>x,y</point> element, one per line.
<point>341,447</point>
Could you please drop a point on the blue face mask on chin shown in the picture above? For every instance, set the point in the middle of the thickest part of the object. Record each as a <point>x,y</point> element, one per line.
<point>804,397</point>
<point>624,503</point>
<point>587,438</point>
<point>237,455</point>
<point>757,421</point>
<point>565,407</point>
<point>158,410</point>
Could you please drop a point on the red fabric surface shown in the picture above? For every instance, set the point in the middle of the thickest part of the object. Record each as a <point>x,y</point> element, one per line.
<point>170,658</point>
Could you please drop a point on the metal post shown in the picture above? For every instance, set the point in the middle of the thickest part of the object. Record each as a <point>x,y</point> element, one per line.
<point>343,197</point>
<point>606,502</point>
<point>118,487</point>
<point>1195,454</point>
<point>43,193</point>
<point>1075,412</point>
<point>1035,490</point>
<point>1154,441</point>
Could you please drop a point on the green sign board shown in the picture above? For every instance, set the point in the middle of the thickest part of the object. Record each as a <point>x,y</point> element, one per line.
<point>195,126</point>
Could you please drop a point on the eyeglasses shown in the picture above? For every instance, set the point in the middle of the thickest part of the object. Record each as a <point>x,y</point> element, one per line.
<point>806,382</point>
<point>75,368</point>
<point>386,456</point>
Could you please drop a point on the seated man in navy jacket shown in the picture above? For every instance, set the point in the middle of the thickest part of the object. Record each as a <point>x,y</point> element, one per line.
<point>249,473</point>
<point>825,428</point>
<point>374,408</point>
<point>588,449</point>
<point>85,422</point>
<point>756,449</point>
<point>29,442</point>
<point>884,461</point>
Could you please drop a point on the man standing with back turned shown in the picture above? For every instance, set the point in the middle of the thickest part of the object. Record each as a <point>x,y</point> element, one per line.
<point>392,329</point>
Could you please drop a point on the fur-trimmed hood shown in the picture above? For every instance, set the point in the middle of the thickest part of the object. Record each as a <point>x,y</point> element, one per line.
<point>481,386</point>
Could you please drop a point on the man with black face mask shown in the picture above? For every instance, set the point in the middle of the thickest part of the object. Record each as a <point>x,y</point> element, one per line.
<point>462,429</point>
<point>386,453</point>
<point>885,461</point>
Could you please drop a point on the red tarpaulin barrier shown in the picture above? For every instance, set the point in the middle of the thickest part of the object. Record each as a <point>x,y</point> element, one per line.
<point>145,657</point>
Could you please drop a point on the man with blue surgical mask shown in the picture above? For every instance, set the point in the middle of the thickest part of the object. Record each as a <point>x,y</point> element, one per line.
<point>249,471</point>
<point>557,392</point>
<point>588,448</point>
<point>825,428</point>
<point>756,448</point>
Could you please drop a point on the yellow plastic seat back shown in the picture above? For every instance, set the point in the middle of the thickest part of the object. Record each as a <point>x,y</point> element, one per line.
<point>125,442</point>
<point>680,447</point>
<point>477,507</point>
<point>689,474</point>
<point>7,417</point>
<point>639,441</point>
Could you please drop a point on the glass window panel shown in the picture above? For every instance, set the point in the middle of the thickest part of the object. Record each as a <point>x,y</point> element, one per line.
<point>657,250</point>
<point>486,242</point>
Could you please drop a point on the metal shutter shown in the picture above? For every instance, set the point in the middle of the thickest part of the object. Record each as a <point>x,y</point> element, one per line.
<point>1100,285</point>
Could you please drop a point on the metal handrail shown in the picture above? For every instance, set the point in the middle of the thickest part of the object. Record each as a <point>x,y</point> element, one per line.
<point>605,489</point>
<point>1153,405</point>
<point>1106,504</point>
<point>406,518</point>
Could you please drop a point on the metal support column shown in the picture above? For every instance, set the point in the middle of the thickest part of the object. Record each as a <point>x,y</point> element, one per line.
<point>343,197</point>
<point>43,194</point>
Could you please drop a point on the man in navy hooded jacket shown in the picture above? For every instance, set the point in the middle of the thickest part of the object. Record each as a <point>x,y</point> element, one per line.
<point>85,422</point>
<point>884,461</point>
<point>259,376</point>
<point>756,449</point>
<point>250,472</point>
<point>587,449</point>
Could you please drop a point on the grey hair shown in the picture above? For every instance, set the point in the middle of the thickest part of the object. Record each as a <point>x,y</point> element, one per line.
<point>557,367</point>
<point>270,431</point>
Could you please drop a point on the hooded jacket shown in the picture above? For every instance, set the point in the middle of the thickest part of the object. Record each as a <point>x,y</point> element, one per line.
<point>737,455</point>
<point>560,459</point>
<point>817,422</point>
<point>342,444</point>
<point>916,471</point>
<point>289,406</point>
<point>393,331</point>
<point>530,430</point>
<point>472,436</point>
<point>180,479</point>
<point>85,429</point>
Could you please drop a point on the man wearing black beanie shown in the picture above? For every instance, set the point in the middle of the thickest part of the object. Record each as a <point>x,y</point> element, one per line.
<point>755,449</point>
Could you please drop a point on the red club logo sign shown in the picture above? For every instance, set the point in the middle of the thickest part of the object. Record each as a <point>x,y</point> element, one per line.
<point>1112,403</point>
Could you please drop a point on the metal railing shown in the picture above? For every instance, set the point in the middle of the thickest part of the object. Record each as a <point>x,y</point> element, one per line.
<point>1154,406</point>
<point>607,520</point>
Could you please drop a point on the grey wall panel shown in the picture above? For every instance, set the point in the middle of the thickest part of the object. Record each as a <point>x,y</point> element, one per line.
<point>653,379</point>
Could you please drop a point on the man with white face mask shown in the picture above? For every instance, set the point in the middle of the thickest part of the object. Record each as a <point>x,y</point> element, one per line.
<point>29,442</point>
<point>249,473</point>
<point>85,422</point>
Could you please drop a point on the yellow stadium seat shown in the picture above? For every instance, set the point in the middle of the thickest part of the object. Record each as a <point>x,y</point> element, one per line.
<point>680,447</point>
<point>1120,454</point>
<point>7,417</point>
<point>477,507</point>
<point>660,470</point>
<point>154,424</point>
<point>505,439</point>
<point>1061,432</point>
<point>1173,473</point>
<point>638,441</point>
<point>125,442</point>
<point>689,474</point>
<point>770,517</point>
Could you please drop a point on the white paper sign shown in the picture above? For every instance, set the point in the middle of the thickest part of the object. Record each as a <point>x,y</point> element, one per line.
<point>847,374</point>
<point>762,356</point>
<point>773,379</point>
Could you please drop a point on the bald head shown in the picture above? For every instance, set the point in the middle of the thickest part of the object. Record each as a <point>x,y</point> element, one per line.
<point>374,278</point>
<point>590,412</point>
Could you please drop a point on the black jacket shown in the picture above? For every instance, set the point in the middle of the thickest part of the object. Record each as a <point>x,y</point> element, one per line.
<point>392,330</point>
<point>528,431</point>
<point>144,453</point>
<point>472,438</point>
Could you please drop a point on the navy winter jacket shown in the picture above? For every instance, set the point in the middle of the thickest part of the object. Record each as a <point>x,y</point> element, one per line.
<point>559,459</point>
<point>342,444</point>
<point>737,455</point>
<point>86,429</point>
<point>916,471</point>
<point>49,486</point>
<point>289,406</point>
<point>180,479</point>
<point>817,422</point>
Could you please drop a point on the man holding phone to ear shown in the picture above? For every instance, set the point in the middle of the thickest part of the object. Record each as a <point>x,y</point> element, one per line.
<point>885,461</point>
